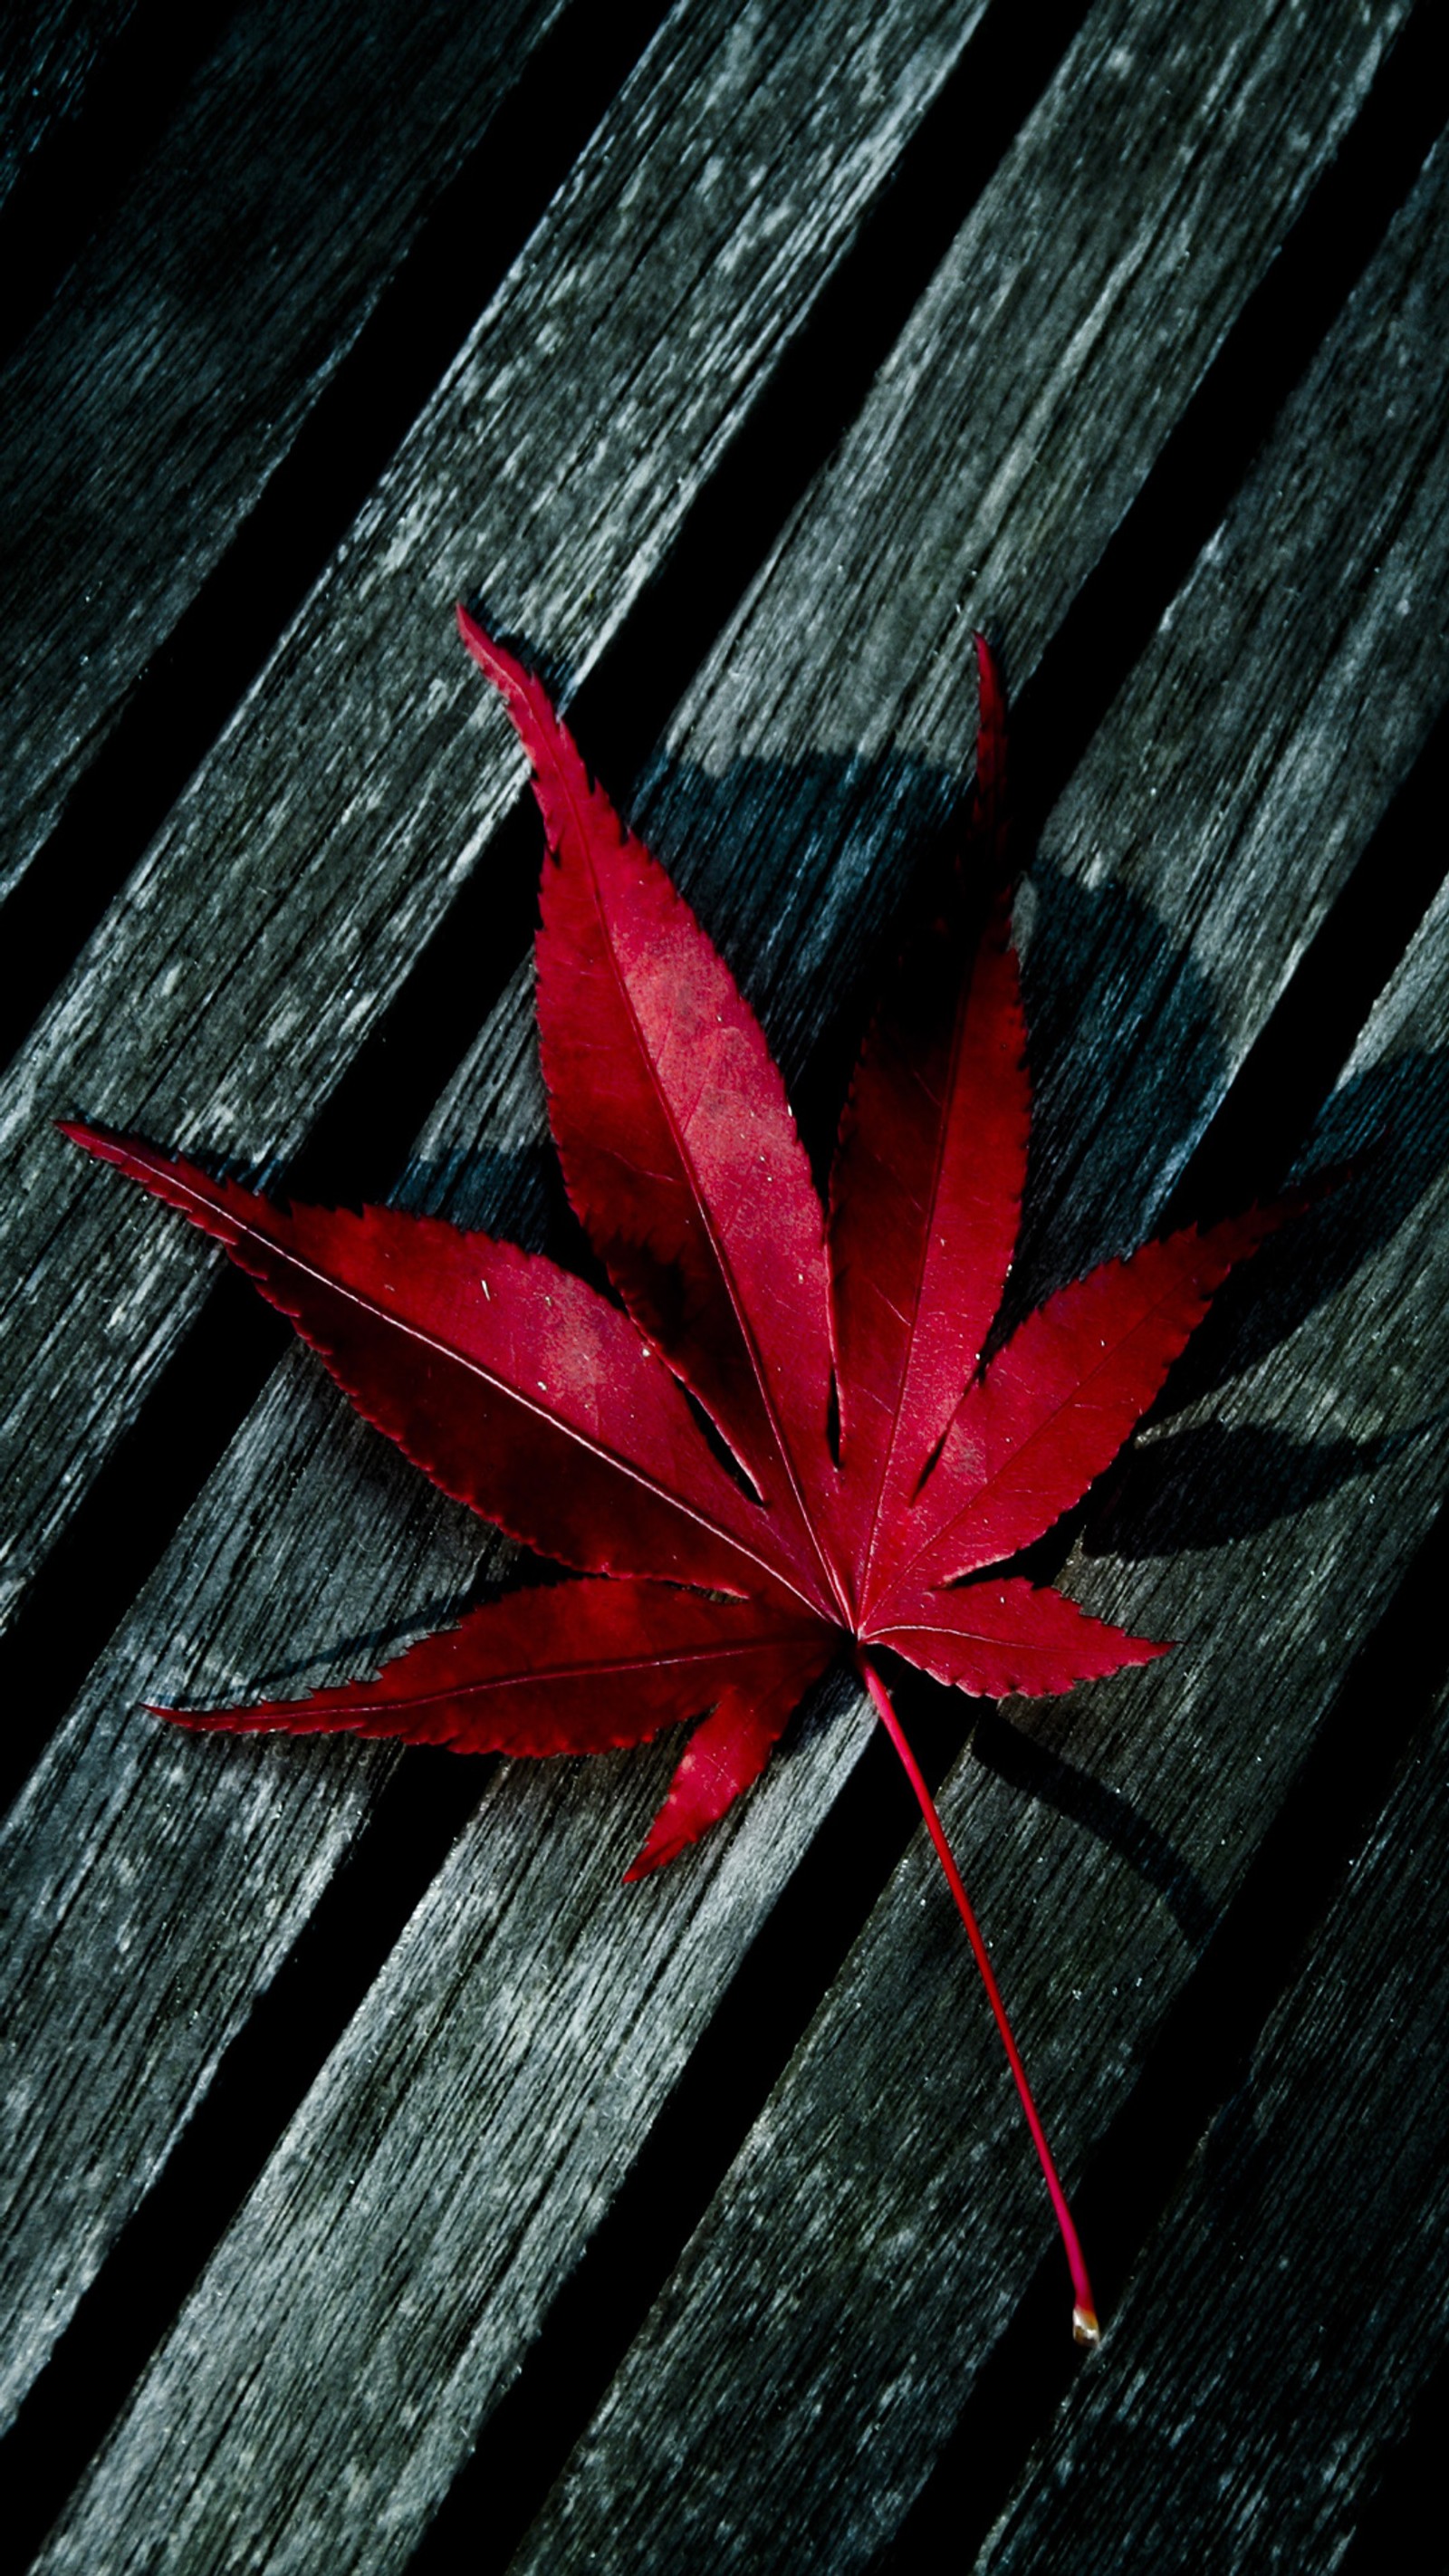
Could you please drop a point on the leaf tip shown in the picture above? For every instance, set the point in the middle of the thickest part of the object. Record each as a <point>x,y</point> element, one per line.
<point>656,1853</point>
<point>474,638</point>
<point>92,1140</point>
<point>200,1721</point>
<point>503,668</point>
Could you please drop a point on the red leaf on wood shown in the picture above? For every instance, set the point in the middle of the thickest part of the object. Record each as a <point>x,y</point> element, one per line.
<point>1056,1403</point>
<point>574,1667</point>
<point>513,1384</point>
<point>565,1418</point>
<point>678,1149</point>
<point>925,1196</point>
<point>996,1638</point>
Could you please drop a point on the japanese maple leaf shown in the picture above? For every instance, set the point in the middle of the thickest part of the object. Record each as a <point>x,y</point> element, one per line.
<point>881,1474</point>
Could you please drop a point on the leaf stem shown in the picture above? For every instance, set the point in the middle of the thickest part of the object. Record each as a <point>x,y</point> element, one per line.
<point>1084,2312</point>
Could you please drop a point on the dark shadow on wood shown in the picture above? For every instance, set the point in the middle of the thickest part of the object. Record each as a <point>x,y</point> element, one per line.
<point>71,180</point>
<point>771,2001</point>
<point>1009,1753</point>
<point>1387,1132</point>
<point>1406,2496</point>
<point>1207,1485</point>
<point>1265,1124</point>
<point>192,684</point>
<point>1107,986</point>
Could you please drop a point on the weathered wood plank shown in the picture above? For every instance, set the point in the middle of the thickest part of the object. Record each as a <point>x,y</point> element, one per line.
<point>806,2363</point>
<point>143,416</point>
<point>49,55</point>
<point>709,95</point>
<point>1316,2209</point>
<point>819,2338</point>
<point>298,877</point>
<point>538,2053</point>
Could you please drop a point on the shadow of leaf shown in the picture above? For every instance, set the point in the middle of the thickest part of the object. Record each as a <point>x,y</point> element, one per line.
<point>1387,1130</point>
<point>809,876</point>
<point>1213,1482</point>
<point>1011,1755</point>
<point>806,874</point>
<point>1127,1068</point>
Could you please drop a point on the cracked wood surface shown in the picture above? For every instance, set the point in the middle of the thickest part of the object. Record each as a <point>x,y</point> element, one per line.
<point>365,772</point>
<point>875,2233</point>
<point>379,2287</point>
<point>1172,844</point>
<point>50,55</point>
<point>146,412</point>
<point>1320,2262</point>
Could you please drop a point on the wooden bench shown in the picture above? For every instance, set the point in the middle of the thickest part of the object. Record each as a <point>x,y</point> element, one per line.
<point>387,2185</point>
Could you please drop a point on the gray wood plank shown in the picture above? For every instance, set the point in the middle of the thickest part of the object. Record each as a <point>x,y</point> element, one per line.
<point>145,413</point>
<point>529,2018</point>
<point>819,2338</point>
<point>701,98</point>
<point>804,2365</point>
<point>1316,2208</point>
<point>291,889</point>
<point>49,56</point>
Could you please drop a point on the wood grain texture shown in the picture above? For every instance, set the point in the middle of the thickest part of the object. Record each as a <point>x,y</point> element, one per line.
<point>876,2231</point>
<point>72,1896</point>
<point>1315,2208</point>
<point>819,2339</point>
<point>300,2288</point>
<point>145,413</point>
<point>283,904</point>
<point>49,55</point>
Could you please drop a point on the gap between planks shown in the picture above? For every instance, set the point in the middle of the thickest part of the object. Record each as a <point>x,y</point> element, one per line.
<point>1321,712</point>
<point>831,2317</point>
<point>281,484</point>
<point>324,840</point>
<point>853,155</point>
<point>157,1465</point>
<point>1310,2209</point>
<point>159,1462</point>
<point>158,389</point>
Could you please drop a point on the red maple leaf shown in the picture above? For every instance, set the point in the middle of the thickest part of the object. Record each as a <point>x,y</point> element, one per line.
<point>879,1469</point>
